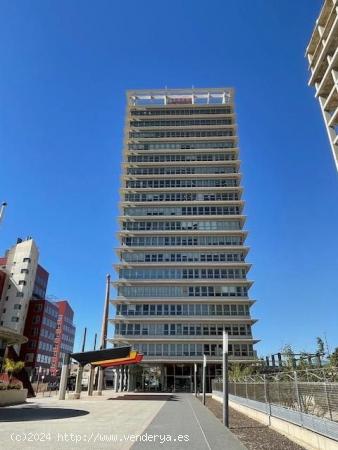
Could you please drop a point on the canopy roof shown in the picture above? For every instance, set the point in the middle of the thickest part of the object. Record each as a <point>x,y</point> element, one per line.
<point>101,356</point>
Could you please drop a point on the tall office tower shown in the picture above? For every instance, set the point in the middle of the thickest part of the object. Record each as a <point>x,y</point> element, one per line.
<point>322,54</point>
<point>182,275</point>
<point>21,265</point>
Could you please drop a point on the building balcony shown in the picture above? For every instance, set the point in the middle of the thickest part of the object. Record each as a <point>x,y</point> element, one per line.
<point>177,151</point>
<point>182,233</point>
<point>183,248</point>
<point>182,176</point>
<point>121,300</point>
<point>178,203</point>
<point>319,68</point>
<point>316,50</point>
<point>327,82</point>
<point>219,127</point>
<point>184,319</point>
<point>184,264</point>
<point>182,339</point>
<point>197,359</point>
<point>180,282</point>
<point>227,162</point>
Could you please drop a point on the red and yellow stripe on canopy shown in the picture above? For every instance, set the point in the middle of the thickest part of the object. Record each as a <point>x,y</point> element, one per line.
<point>133,358</point>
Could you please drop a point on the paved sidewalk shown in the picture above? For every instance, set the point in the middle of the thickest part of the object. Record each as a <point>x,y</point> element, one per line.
<point>154,421</point>
<point>198,427</point>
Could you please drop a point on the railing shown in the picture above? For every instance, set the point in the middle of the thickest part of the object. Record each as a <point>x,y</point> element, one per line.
<point>308,398</point>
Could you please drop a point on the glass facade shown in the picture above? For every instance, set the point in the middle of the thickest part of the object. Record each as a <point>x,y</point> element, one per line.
<point>182,280</point>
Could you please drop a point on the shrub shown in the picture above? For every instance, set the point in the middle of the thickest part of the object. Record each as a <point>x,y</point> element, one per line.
<point>14,386</point>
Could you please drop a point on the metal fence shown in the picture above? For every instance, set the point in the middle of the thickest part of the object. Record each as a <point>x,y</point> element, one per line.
<point>311,391</point>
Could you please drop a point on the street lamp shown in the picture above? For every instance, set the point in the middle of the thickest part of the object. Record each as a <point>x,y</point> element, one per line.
<point>204,375</point>
<point>225,379</point>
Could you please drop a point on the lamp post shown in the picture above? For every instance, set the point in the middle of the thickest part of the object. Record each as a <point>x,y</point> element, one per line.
<point>195,379</point>
<point>225,379</point>
<point>204,374</point>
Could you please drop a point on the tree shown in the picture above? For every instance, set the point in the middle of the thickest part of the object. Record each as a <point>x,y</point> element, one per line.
<point>334,358</point>
<point>320,345</point>
<point>12,366</point>
<point>289,354</point>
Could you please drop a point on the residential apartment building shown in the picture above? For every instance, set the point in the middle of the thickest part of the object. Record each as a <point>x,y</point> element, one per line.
<point>20,265</point>
<point>64,336</point>
<point>182,271</point>
<point>40,329</point>
<point>322,54</point>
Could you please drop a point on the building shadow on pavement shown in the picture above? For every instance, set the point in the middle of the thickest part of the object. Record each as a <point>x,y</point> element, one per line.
<point>29,414</point>
<point>160,397</point>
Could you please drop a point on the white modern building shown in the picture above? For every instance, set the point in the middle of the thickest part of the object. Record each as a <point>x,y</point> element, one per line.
<point>182,271</point>
<point>322,54</point>
<point>20,264</point>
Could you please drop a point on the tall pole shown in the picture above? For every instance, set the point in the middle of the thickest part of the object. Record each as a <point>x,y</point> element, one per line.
<point>84,339</point>
<point>225,380</point>
<point>204,375</point>
<point>104,329</point>
<point>195,379</point>
<point>95,338</point>
<point>2,210</point>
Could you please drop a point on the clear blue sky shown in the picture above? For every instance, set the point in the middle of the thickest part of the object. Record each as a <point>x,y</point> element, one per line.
<point>65,67</point>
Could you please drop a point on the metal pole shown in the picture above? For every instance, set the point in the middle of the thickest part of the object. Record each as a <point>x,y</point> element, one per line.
<point>84,339</point>
<point>38,380</point>
<point>195,379</point>
<point>95,338</point>
<point>204,375</point>
<point>2,210</point>
<point>104,328</point>
<point>225,380</point>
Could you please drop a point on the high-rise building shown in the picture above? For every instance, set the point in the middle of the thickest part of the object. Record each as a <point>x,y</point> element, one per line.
<point>40,283</point>
<point>182,271</point>
<point>21,262</point>
<point>64,336</point>
<point>40,329</point>
<point>322,54</point>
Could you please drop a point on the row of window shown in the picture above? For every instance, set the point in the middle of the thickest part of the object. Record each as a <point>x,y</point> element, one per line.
<point>181,145</point>
<point>182,291</point>
<point>179,134</point>
<point>183,211</point>
<point>181,197</point>
<point>181,329</point>
<point>183,157</point>
<point>183,225</point>
<point>45,346</point>
<point>179,112</point>
<point>146,184</point>
<point>182,257</point>
<point>179,309</point>
<point>43,358</point>
<point>179,241</point>
<point>180,123</point>
<point>182,274</point>
<point>193,349</point>
<point>45,332</point>
<point>180,170</point>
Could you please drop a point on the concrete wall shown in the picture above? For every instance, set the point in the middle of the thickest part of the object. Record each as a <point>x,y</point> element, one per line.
<point>302,436</point>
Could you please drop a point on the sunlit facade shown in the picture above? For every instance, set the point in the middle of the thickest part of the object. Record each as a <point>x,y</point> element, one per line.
<point>182,271</point>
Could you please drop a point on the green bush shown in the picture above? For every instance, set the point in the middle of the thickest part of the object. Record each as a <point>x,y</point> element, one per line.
<point>14,386</point>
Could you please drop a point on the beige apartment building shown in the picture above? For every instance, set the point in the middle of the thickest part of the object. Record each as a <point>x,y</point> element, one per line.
<point>182,271</point>
<point>322,54</point>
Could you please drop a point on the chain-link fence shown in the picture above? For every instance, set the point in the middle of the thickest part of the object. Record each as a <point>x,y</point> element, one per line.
<point>312,391</point>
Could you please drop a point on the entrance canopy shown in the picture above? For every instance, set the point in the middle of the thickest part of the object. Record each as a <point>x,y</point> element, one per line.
<point>106,354</point>
<point>133,358</point>
<point>109,357</point>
